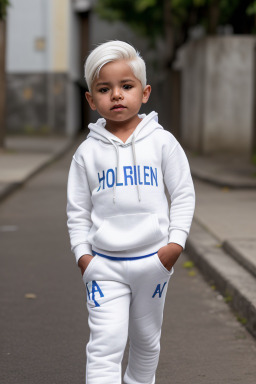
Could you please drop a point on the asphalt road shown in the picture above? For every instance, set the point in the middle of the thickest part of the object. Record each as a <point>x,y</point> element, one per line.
<point>43,323</point>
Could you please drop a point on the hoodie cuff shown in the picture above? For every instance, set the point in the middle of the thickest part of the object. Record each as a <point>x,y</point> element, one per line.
<point>82,249</point>
<point>178,237</point>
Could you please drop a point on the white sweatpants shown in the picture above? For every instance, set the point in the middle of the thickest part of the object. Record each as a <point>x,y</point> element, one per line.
<point>124,298</point>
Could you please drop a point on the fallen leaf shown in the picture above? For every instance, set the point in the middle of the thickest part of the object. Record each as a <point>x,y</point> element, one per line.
<point>225,189</point>
<point>30,296</point>
<point>188,264</point>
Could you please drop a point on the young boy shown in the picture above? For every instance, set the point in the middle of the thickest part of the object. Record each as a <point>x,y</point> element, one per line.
<point>124,237</point>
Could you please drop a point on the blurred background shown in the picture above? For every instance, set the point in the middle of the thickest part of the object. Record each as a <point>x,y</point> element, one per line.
<point>201,64</point>
<point>200,55</point>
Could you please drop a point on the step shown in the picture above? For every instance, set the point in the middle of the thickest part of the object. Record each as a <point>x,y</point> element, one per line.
<point>235,283</point>
<point>224,171</point>
<point>243,251</point>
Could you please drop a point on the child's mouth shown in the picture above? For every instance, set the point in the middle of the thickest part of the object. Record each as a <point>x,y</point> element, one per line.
<point>117,107</point>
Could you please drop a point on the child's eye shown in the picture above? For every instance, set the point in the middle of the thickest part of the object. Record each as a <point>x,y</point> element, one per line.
<point>103,90</point>
<point>127,86</point>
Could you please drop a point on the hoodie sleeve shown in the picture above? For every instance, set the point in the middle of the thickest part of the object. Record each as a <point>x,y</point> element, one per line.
<point>79,207</point>
<point>180,187</point>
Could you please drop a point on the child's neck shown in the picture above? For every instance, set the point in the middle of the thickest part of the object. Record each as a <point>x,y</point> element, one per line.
<point>122,130</point>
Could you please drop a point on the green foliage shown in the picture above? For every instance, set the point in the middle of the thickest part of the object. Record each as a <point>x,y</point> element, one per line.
<point>254,158</point>
<point>242,320</point>
<point>147,16</point>
<point>251,10</point>
<point>143,16</point>
<point>3,8</point>
<point>142,5</point>
<point>227,8</point>
<point>228,298</point>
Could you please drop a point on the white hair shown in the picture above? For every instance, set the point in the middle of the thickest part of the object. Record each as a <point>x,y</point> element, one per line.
<point>113,51</point>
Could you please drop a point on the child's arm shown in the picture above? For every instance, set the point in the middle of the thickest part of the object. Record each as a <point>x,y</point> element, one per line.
<point>79,207</point>
<point>180,187</point>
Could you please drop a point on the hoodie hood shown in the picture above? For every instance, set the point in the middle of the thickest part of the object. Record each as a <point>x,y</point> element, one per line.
<point>148,124</point>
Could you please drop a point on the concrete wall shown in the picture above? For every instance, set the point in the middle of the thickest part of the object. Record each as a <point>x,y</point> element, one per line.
<point>218,94</point>
<point>37,66</point>
<point>193,94</point>
<point>36,103</point>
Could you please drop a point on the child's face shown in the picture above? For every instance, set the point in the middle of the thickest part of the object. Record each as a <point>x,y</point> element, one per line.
<point>117,94</point>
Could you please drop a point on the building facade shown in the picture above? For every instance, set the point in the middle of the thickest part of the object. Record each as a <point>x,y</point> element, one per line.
<point>46,40</point>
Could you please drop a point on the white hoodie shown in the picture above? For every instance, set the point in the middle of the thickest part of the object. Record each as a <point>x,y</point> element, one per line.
<point>117,204</point>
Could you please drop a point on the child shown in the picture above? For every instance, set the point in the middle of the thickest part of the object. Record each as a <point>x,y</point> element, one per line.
<point>124,238</point>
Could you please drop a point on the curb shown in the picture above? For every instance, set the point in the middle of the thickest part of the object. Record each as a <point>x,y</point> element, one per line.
<point>236,284</point>
<point>12,187</point>
<point>223,183</point>
<point>240,257</point>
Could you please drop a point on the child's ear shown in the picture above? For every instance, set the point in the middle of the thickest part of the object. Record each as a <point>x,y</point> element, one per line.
<point>89,98</point>
<point>146,94</point>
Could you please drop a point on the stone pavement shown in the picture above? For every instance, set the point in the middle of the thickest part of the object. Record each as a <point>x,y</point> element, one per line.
<point>222,241</point>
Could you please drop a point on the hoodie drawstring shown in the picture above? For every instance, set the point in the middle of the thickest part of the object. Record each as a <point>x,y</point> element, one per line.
<point>117,168</point>
<point>135,164</point>
<point>118,165</point>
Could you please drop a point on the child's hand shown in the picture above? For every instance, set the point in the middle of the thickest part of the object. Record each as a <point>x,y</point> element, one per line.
<point>83,262</point>
<point>169,254</point>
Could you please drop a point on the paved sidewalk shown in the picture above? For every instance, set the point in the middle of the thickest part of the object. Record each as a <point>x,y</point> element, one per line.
<point>24,156</point>
<point>222,241</point>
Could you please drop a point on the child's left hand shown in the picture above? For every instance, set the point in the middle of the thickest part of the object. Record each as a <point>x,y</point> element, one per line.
<point>169,254</point>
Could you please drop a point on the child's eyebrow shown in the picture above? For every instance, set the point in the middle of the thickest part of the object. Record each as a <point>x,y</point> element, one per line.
<point>108,83</point>
<point>127,80</point>
<point>102,83</point>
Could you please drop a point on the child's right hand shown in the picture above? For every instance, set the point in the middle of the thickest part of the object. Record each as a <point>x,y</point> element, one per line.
<point>83,262</point>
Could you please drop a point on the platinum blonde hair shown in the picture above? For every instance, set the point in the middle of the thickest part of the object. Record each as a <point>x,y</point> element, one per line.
<point>113,51</point>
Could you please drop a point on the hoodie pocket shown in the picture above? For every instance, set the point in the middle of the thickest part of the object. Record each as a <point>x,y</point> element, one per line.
<point>123,232</point>
<point>161,266</point>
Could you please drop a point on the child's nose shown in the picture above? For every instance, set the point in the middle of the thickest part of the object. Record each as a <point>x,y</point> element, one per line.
<point>117,94</point>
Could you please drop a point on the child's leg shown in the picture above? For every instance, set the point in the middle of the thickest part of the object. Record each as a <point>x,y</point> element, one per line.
<point>108,305</point>
<point>149,287</point>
